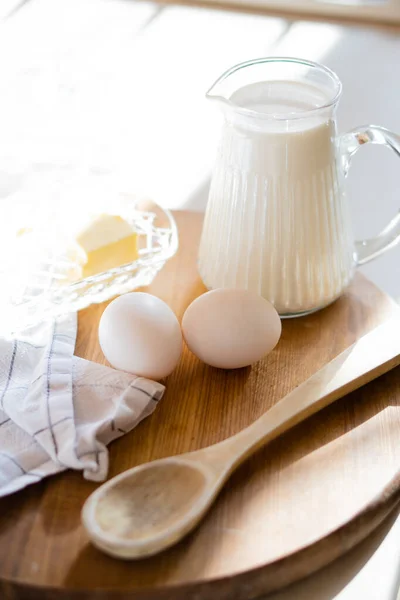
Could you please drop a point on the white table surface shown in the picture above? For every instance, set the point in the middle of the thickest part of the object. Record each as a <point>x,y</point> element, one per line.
<point>120,84</point>
<point>369,572</point>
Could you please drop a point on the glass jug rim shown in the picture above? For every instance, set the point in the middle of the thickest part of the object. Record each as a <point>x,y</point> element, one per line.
<point>281,116</point>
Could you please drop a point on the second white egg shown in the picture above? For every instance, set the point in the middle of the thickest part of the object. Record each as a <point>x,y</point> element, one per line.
<point>229,328</point>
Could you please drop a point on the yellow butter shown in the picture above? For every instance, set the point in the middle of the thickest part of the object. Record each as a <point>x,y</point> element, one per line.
<point>111,256</point>
<point>108,242</point>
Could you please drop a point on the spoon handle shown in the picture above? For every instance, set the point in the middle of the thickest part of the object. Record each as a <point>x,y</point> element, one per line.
<point>371,356</point>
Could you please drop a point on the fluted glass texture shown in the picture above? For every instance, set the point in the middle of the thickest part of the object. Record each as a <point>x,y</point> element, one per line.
<point>277,218</point>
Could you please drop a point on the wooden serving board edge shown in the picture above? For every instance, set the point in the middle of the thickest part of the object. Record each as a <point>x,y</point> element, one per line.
<point>246,585</point>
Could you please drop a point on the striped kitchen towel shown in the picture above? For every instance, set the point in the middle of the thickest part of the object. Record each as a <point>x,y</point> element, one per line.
<point>58,411</point>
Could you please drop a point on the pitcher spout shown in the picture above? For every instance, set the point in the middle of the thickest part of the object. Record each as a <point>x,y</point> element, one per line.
<point>218,92</point>
<point>223,89</point>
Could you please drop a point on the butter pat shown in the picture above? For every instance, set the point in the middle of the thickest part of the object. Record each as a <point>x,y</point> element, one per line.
<point>108,242</point>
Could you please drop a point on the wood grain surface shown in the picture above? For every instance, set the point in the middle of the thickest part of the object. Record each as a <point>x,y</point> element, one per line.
<point>296,505</point>
<point>385,15</point>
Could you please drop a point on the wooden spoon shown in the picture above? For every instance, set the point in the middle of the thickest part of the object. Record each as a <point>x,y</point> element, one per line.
<point>152,506</point>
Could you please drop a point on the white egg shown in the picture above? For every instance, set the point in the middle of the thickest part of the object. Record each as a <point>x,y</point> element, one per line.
<point>230,328</point>
<point>140,334</point>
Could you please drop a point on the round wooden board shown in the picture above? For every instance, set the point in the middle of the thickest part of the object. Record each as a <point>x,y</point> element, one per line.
<point>304,500</point>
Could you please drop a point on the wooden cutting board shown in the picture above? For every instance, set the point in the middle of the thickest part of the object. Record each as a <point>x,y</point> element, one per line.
<point>298,504</point>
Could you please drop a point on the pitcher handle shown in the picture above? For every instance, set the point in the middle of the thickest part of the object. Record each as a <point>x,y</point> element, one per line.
<point>349,144</point>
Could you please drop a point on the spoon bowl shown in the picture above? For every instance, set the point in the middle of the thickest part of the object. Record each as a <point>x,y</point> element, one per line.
<point>145,509</point>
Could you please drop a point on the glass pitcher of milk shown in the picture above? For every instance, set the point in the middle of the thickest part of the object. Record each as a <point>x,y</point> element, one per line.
<point>277,220</point>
